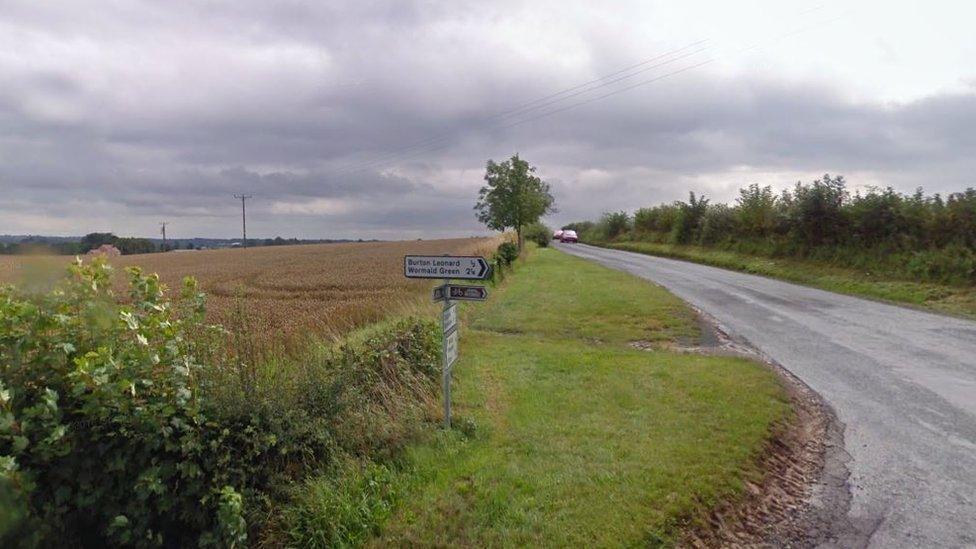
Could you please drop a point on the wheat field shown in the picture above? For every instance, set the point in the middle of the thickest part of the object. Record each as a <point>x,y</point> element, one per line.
<point>283,295</point>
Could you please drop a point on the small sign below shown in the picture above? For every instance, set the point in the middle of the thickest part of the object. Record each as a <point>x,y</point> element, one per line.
<point>467,293</point>
<point>450,349</point>
<point>449,318</point>
<point>460,292</point>
<point>467,267</point>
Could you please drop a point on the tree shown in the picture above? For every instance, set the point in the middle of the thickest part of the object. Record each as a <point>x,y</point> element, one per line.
<point>614,224</point>
<point>93,240</point>
<point>514,197</point>
<point>689,218</point>
<point>757,210</point>
<point>817,213</point>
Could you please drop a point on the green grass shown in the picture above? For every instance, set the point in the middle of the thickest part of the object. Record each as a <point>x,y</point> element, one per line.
<point>955,300</point>
<point>580,439</point>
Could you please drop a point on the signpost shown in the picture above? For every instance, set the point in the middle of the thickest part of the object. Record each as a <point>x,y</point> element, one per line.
<point>460,292</point>
<point>466,267</point>
<point>451,348</point>
<point>449,318</point>
<point>449,267</point>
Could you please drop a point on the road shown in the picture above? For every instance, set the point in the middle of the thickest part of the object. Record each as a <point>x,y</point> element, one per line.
<point>902,383</point>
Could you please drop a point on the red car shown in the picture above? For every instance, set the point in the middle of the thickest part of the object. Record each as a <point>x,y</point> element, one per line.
<point>568,236</point>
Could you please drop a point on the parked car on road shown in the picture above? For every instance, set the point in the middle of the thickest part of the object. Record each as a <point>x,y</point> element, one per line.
<point>557,235</point>
<point>568,236</point>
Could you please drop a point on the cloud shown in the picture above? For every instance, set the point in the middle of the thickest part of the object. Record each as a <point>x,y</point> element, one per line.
<point>316,206</point>
<point>375,119</point>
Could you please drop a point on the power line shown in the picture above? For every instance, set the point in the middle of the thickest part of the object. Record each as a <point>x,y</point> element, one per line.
<point>545,114</point>
<point>244,198</point>
<point>498,124</point>
<point>537,104</point>
<point>438,142</point>
<point>580,88</point>
<point>604,96</point>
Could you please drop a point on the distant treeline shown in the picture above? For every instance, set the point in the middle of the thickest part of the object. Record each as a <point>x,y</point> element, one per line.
<point>40,244</point>
<point>132,245</point>
<point>924,237</point>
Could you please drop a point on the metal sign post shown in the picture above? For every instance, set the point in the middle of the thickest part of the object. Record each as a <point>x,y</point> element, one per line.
<point>449,313</point>
<point>448,267</point>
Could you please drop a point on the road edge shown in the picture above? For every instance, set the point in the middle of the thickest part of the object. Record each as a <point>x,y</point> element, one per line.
<point>920,307</point>
<point>804,497</point>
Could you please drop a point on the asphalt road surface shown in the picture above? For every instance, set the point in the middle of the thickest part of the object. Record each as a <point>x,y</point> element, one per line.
<point>902,383</point>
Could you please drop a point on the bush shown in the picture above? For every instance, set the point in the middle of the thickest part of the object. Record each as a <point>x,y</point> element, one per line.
<point>659,219</point>
<point>104,434</point>
<point>718,224</point>
<point>955,264</point>
<point>508,252</point>
<point>756,210</point>
<point>614,224</point>
<point>816,212</point>
<point>538,233</point>
<point>113,431</point>
<point>687,223</point>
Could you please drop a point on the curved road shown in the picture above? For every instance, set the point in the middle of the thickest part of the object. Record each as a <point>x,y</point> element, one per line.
<point>902,383</point>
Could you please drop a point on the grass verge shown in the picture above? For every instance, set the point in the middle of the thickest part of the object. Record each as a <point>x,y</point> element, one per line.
<point>571,437</point>
<point>954,300</point>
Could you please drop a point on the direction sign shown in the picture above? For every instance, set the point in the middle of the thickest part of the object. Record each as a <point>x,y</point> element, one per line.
<point>449,318</point>
<point>450,349</point>
<point>467,293</point>
<point>460,292</point>
<point>450,267</point>
<point>467,267</point>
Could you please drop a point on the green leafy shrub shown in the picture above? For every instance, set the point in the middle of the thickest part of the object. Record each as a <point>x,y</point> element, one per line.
<point>688,221</point>
<point>614,224</point>
<point>114,431</point>
<point>103,431</point>
<point>659,219</point>
<point>718,224</point>
<point>538,233</point>
<point>955,264</point>
<point>508,252</point>
<point>916,237</point>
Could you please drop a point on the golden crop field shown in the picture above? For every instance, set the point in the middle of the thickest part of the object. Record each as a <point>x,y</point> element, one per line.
<point>284,294</point>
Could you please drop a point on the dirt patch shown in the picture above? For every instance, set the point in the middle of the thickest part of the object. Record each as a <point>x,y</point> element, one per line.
<point>644,345</point>
<point>803,497</point>
<point>713,340</point>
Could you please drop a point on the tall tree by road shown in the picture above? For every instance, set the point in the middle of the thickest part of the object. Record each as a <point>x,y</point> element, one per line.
<point>514,196</point>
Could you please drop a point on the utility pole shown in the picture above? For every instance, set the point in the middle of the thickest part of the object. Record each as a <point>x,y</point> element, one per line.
<point>163,230</point>
<point>243,198</point>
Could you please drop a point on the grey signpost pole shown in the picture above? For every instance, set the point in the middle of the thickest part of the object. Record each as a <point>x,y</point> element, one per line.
<point>447,365</point>
<point>448,267</point>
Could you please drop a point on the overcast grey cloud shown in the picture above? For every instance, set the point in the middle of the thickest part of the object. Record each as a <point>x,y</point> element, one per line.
<point>375,119</point>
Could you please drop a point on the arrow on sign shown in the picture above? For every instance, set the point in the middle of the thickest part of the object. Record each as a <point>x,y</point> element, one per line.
<point>467,293</point>
<point>465,267</point>
<point>460,292</point>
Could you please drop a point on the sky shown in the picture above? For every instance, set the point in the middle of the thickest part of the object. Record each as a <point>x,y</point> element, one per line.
<point>370,119</point>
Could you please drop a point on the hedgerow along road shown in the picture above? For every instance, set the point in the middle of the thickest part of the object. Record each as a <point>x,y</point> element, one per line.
<point>901,382</point>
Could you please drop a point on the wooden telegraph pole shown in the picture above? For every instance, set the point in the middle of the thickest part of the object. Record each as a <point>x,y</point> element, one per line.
<point>243,198</point>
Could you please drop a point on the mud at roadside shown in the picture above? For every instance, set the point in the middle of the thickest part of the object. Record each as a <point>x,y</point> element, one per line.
<point>803,497</point>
